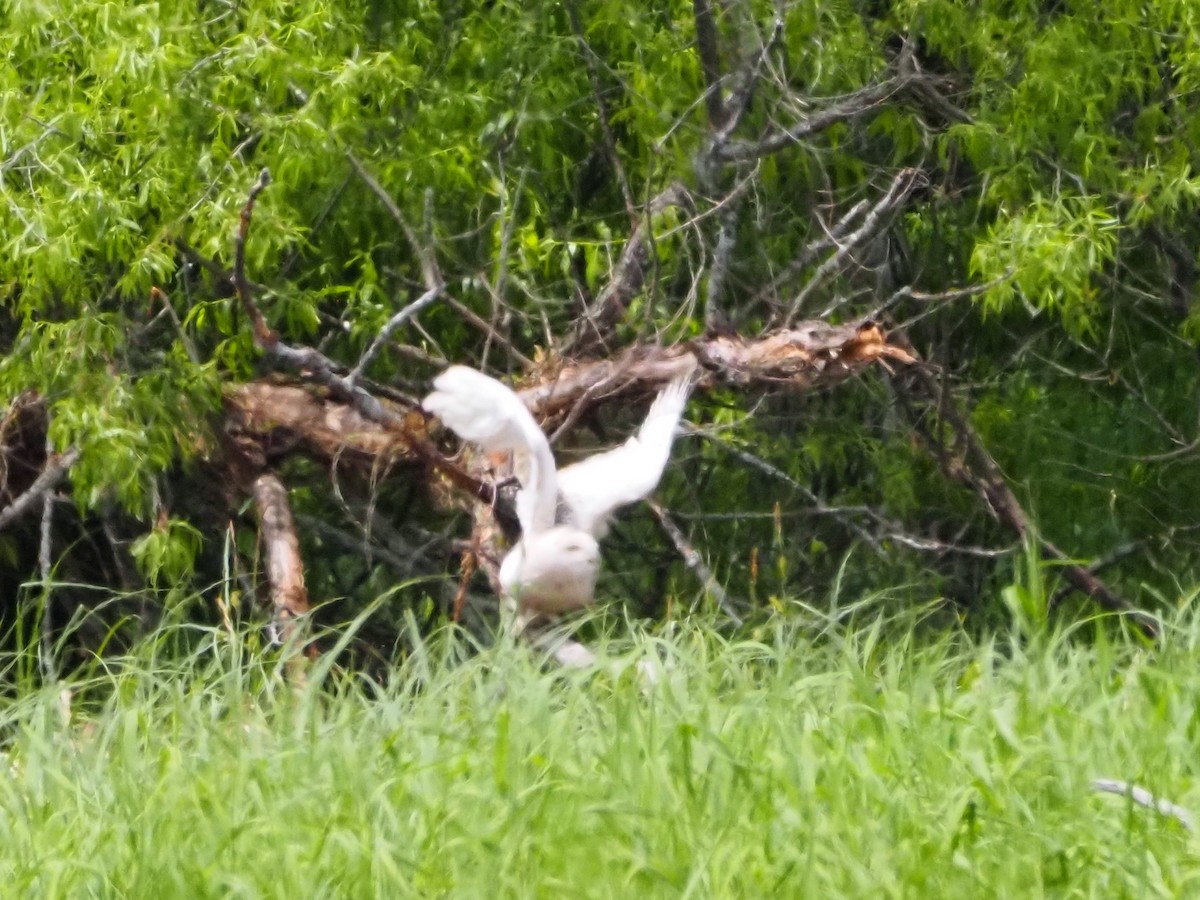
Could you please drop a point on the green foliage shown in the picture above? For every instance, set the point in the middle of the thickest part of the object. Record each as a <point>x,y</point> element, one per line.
<point>167,555</point>
<point>1060,164</point>
<point>1048,256</point>
<point>860,762</point>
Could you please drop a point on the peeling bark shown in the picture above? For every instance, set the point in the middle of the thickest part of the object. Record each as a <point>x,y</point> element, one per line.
<point>281,547</point>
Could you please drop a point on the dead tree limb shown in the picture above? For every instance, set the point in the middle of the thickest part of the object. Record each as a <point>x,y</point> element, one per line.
<point>55,471</point>
<point>285,570</point>
<point>963,457</point>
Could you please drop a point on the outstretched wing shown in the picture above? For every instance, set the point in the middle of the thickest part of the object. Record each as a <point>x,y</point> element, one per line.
<point>594,488</point>
<point>481,410</point>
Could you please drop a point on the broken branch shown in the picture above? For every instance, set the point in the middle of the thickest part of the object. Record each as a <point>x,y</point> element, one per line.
<point>285,570</point>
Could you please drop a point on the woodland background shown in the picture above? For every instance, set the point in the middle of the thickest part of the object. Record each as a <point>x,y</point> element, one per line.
<point>1004,193</point>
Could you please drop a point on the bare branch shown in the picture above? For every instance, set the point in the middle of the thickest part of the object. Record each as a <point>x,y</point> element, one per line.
<point>694,561</point>
<point>850,106</point>
<point>56,469</point>
<point>902,185</point>
<point>393,323</point>
<point>715,317</point>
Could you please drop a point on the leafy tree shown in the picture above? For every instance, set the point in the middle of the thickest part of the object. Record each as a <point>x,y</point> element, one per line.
<point>1008,188</point>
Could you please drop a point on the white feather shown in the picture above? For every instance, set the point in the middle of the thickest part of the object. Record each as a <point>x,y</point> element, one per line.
<point>481,410</point>
<point>593,489</point>
<point>553,568</point>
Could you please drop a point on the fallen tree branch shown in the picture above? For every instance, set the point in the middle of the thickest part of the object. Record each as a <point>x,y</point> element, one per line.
<point>340,424</point>
<point>285,570</point>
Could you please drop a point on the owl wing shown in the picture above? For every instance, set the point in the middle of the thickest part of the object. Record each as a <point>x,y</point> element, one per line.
<point>594,488</point>
<point>481,410</point>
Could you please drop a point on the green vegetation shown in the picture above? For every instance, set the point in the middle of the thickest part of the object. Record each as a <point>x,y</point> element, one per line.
<point>1011,188</point>
<point>1008,190</point>
<point>835,761</point>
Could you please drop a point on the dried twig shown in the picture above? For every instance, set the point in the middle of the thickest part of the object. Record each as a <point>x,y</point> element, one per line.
<point>469,563</point>
<point>694,561</point>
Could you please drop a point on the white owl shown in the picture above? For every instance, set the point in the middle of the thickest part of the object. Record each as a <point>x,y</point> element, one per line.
<point>552,569</point>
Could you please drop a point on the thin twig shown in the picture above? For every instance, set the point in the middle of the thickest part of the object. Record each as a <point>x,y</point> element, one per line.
<point>901,186</point>
<point>469,563</point>
<point>694,561</point>
<point>430,272</point>
<point>892,530</point>
<point>385,333</point>
<point>963,456</point>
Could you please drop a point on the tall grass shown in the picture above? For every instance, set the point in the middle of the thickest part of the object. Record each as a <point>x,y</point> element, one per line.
<point>842,764</point>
